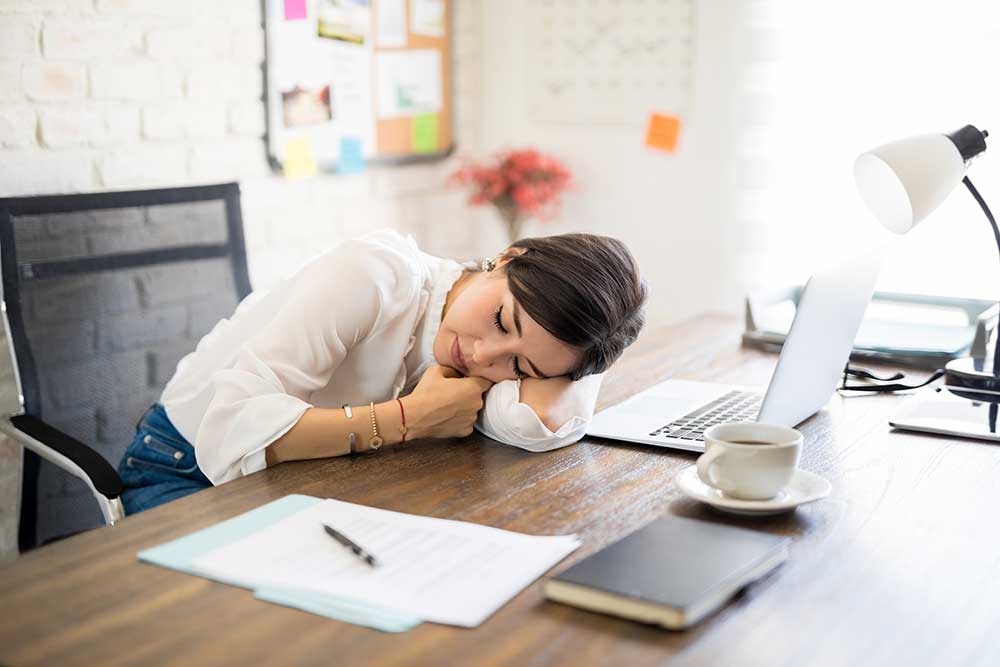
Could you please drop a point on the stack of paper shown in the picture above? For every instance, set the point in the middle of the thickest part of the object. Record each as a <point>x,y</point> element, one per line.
<point>429,569</point>
<point>892,328</point>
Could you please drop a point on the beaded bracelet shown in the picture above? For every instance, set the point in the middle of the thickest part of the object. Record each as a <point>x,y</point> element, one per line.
<point>376,440</point>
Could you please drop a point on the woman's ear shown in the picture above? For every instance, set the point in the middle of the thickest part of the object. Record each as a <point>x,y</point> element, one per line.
<point>509,254</point>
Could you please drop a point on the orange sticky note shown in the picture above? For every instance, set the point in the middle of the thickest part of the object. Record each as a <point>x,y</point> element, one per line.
<point>663,131</point>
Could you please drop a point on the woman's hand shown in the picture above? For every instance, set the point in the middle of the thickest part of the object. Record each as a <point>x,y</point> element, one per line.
<point>445,404</point>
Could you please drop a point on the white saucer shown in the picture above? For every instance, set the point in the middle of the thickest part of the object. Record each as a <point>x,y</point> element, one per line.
<point>805,487</point>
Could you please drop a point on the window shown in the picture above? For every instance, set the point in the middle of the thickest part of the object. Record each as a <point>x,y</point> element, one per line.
<point>840,78</point>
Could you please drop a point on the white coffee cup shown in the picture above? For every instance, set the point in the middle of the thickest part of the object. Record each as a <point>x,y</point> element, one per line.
<point>749,460</point>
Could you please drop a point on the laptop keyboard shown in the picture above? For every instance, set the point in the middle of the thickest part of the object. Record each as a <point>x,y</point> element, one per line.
<point>736,406</point>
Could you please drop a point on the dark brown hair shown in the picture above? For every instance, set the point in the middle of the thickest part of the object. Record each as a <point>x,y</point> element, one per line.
<point>585,290</point>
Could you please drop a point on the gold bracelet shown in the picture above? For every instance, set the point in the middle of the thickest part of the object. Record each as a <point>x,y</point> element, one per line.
<point>376,440</point>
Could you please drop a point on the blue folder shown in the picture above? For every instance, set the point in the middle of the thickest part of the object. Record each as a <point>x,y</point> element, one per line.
<point>182,552</point>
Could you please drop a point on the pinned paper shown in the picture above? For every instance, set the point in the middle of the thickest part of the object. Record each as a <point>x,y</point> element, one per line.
<point>295,10</point>
<point>300,161</point>
<point>344,20</point>
<point>425,133</point>
<point>409,82</point>
<point>390,23</point>
<point>351,161</point>
<point>663,131</point>
<point>427,17</point>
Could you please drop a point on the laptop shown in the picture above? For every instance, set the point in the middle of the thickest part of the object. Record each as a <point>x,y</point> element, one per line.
<point>676,413</point>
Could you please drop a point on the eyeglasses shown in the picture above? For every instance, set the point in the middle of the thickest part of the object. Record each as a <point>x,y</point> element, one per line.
<point>868,375</point>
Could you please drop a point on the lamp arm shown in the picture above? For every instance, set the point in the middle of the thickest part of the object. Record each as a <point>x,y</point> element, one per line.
<point>996,234</point>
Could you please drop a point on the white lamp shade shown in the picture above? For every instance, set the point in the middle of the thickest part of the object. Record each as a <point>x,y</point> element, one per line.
<point>903,181</point>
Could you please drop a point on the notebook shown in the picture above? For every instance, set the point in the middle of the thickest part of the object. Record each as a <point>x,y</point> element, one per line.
<point>672,573</point>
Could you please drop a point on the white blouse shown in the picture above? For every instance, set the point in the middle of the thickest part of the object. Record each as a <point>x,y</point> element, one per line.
<point>354,325</point>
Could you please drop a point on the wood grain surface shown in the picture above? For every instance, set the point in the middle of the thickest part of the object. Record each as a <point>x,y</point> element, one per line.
<point>900,566</point>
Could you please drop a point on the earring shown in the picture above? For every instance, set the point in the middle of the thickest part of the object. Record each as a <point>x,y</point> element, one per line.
<point>489,264</point>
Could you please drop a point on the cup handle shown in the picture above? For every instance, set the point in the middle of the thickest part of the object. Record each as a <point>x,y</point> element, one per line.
<point>705,462</point>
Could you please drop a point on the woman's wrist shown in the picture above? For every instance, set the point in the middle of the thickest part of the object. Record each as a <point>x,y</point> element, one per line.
<point>389,422</point>
<point>324,432</point>
<point>412,411</point>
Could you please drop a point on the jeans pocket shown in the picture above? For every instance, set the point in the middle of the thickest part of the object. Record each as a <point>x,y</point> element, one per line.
<point>163,432</point>
<point>152,451</point>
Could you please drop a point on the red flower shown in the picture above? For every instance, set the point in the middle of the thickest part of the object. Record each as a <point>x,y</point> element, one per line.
<point>518,182</point>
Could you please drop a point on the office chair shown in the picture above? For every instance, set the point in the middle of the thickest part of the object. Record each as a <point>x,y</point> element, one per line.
<point>102,295</point>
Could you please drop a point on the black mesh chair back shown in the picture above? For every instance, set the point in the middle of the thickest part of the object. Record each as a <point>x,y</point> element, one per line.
<point>104,295</point>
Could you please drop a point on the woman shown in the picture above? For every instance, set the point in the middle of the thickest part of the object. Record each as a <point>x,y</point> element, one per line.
<point>376,343</point>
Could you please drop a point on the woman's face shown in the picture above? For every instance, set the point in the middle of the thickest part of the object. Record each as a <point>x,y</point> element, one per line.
<point>469,331</point>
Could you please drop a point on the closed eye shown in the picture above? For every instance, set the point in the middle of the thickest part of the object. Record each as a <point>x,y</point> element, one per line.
<point>517,369</point>
<point>496,320</point>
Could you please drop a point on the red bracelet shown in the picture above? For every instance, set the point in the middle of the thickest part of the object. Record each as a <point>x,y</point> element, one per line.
<point>402,429</point>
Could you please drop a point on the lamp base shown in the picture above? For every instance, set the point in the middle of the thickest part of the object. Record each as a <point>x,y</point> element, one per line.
<point>975,376</point>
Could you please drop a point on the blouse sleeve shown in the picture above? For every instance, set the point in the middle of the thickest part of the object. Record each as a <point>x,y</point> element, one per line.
<point>505,419</point>
<point>334,302</point>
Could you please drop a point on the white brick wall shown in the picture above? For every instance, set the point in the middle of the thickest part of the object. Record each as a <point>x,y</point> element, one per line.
<point>111,94</point>
<point>17,126</point>
<point>97,38</point>
<point>53,81</point>
<point>124,94</point>
<point>19,36</point>
<point>62,127</point>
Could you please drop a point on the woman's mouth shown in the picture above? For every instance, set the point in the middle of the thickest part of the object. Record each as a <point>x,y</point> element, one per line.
<point>456,357</point>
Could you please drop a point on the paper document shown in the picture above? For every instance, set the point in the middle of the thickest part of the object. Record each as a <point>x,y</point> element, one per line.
<point>435,569</point>
<point>409,82</point>
<point>390,23</point>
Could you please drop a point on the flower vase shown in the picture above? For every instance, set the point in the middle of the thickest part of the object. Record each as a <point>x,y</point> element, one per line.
<point>512,218</point>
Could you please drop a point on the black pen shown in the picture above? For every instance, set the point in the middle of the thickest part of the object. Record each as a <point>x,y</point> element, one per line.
<point>350,544</point>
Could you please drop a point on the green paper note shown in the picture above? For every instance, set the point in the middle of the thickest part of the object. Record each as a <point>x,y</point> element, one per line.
<point>425,133</point>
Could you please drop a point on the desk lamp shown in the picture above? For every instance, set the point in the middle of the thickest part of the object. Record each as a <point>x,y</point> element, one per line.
<point>902,183</point>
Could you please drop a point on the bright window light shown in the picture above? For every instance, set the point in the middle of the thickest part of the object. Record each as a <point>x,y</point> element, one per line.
<point>846,77</point>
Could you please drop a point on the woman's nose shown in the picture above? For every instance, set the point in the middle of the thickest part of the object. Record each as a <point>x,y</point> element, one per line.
<point>485,353</point>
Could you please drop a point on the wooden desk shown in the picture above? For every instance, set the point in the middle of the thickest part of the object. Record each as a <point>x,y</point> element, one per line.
<point>901,565</point>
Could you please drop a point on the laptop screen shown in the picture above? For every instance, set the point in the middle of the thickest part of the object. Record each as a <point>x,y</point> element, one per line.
<point>819,342</point>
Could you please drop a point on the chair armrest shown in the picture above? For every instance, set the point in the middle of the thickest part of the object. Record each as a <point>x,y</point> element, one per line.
<point>102,474</point>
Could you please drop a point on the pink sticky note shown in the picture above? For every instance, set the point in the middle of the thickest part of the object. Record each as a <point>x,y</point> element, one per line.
<point>295,9</point>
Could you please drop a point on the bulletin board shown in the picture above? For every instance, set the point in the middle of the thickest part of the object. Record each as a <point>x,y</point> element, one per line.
<point>352,82</point>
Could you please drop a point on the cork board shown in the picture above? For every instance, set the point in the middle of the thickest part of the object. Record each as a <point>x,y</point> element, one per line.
<point>353,82</point>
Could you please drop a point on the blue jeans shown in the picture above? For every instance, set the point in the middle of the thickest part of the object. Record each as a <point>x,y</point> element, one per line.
<point>159,465</point>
